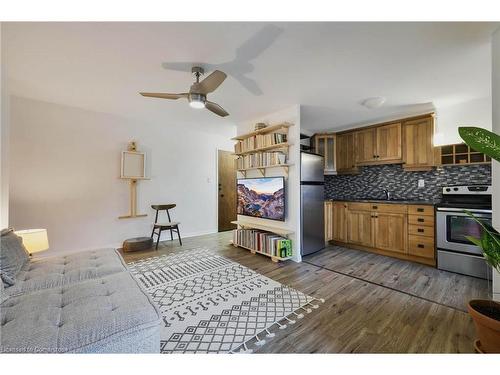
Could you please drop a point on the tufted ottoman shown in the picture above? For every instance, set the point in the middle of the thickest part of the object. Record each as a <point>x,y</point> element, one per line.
<point>105,315</point>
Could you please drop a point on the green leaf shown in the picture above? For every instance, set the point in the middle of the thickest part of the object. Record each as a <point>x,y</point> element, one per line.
<point>481,140</point>
<point>489,242</point>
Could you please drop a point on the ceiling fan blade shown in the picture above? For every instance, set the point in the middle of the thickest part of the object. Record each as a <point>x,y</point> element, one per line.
<point>164,95</point>
<point>210,83</point>
<point>215,108</point>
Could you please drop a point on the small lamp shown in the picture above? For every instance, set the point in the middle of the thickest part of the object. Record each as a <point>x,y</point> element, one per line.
<point>34,240</point>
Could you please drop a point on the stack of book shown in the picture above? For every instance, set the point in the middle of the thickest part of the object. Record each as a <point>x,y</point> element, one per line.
<point>259,141</point>
<point>261,159</point>
<point>264,242</point>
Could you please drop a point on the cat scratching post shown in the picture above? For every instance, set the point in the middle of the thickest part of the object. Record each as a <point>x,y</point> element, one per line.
<point>133,168</point>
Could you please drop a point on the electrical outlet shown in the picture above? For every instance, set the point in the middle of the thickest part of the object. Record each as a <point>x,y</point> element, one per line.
<point>421,183</point>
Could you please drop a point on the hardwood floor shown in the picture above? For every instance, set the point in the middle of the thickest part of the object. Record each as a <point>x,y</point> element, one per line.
<point>373,304</point>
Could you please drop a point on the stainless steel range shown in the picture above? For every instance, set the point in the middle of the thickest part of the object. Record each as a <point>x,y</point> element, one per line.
<point>454,252</point>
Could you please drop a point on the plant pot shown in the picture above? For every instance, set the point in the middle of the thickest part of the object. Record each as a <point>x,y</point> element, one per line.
<point>486,316</point>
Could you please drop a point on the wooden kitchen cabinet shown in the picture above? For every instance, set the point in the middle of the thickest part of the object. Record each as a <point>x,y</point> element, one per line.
<point>339,232</point>
<point>388,143</point>
<point>421,246</point>
<point>346,154</point>
<point>329,220</point>
<point>421,232</point>
<point>359,227</point>
<point>324,144</point>
<point>399,230</point>
<point>365,146</point>
<point>390,231</point>
<point>379,145</point>
<point>418,147</point>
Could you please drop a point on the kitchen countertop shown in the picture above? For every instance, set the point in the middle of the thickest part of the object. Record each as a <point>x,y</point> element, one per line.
<point>392,201</point>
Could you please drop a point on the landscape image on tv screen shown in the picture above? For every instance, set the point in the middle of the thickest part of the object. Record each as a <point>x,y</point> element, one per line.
<point>262,197</point>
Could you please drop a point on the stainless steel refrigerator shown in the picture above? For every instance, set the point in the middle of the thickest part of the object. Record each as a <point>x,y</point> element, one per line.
<point>312,198</point>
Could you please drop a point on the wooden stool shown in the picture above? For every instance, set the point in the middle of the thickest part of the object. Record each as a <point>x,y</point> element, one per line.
<point>137,244</point>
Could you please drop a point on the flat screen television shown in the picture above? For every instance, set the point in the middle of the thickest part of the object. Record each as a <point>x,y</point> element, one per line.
<point>261,197</point>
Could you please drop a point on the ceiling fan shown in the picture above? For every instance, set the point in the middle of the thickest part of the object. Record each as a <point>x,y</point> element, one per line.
<point>197,95</point>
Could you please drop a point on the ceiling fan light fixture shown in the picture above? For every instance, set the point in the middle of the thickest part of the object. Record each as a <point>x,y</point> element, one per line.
<point>375,102</point>
<point>197,101</point>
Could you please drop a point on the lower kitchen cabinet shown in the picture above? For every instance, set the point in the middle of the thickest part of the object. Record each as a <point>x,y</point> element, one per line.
<point>359,227</point>
<point>398,230</point>
<point>329,220</point>
<point>421,246</point>
<point>421,232</point>
<point>339,231</point>
<point>390,232</point>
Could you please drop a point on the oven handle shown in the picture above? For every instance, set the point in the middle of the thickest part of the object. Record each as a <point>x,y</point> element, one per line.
<point>449,209</point>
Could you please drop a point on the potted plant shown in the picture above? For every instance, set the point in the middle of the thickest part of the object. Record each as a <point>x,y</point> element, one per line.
<point>485,313</point>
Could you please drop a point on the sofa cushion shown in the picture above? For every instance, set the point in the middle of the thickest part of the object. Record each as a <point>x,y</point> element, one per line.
<point>64,270</point>
<point>13,256</point>
<point>3,293</point>
<point>108,314</point>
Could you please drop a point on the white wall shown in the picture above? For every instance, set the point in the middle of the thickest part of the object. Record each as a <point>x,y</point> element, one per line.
<point>496,129</point>
<point>65,164</point>
<point>4,145</point>
<point>475,112</point>
<point>292,188</point>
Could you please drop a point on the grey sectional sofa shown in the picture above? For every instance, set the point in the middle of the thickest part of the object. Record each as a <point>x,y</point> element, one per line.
<point>85,302</point>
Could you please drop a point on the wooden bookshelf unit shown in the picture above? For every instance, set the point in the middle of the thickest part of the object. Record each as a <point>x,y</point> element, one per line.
<point>259,151</point>
<point>284,232</point>
<point>262,169</point>
<point>280,128</point>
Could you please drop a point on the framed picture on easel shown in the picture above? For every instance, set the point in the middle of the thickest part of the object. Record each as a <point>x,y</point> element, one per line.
<point>133,168</point>
<point>133,165</point>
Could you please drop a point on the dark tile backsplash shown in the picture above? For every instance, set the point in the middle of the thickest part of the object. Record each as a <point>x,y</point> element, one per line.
<point>402,184</point>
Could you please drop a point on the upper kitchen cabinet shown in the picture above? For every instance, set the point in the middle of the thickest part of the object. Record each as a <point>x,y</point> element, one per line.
<point>365,141</point>
<point>379,145</point>
<point>324,144</point>
<point>346,154</point>
<point>418,148</point>
<point>389,143</point>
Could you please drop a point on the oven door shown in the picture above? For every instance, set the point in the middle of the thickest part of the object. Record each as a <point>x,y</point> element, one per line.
<point>453,225</point>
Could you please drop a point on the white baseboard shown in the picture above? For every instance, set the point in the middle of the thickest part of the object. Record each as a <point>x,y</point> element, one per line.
<point>165,236</point>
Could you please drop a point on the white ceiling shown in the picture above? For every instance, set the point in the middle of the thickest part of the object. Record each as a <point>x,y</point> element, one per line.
<point>329,68</point>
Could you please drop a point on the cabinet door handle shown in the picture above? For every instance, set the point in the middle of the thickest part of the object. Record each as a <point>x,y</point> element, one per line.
<point>420,220</point>
<point>420,246</point>
<point>375,207</point>
<point>420,230</point>
<point>420,210</point>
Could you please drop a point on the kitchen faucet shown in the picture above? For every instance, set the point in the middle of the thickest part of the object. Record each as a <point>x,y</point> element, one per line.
<point>387,194</point>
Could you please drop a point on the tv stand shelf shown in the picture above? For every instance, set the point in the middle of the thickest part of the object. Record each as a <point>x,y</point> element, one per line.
<point>285,232</point>
<point>270,228</point>
<point>253,251</point>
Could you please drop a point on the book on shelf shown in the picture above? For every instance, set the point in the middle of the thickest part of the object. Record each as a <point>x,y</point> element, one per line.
<point>264,242</point>
<point>259,141</point>
<point>261,159</point>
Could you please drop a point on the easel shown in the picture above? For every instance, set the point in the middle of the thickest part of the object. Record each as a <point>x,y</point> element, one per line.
<point>137,174</point>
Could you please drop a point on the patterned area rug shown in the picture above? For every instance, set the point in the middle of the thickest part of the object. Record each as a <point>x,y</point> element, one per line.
<point>211,304</point>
